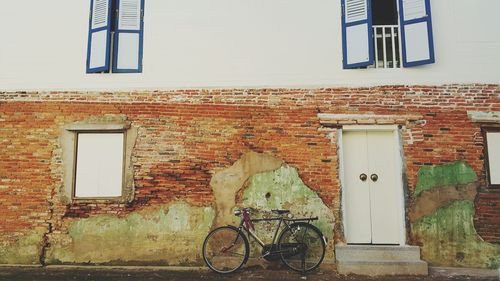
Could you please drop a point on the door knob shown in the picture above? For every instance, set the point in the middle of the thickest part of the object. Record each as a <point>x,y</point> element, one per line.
<point>363,177</point>
<point>374,177</point>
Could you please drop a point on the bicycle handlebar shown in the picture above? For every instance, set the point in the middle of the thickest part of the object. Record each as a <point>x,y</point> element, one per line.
<point>250,210</point>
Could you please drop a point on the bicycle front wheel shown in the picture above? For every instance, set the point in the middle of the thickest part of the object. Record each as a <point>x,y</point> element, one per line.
<point>302,247</point>
<point>225,249</point>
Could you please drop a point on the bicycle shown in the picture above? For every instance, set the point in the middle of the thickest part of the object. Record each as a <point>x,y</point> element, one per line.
<point>300,245</point>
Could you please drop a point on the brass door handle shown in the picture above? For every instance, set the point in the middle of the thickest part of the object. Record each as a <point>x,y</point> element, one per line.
<point>374,177</point>
<point>363,177</point>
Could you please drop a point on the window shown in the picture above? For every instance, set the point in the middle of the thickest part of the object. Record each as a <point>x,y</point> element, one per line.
<point>492,153</point>
<point>115,36</point>
<point>99,165</point>
<point>97,161</point>
<point>372,33</point>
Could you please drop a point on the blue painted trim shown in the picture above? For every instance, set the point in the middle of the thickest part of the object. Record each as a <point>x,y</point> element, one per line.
<point>404,23</point>
<point>368,21</point>
<point>141,40</point>
<point>108,40</point>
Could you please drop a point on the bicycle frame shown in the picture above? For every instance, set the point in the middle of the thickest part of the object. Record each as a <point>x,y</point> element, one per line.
<point>282,220</point>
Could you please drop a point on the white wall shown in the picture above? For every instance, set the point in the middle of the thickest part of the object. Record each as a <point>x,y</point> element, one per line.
<point>235,43</point>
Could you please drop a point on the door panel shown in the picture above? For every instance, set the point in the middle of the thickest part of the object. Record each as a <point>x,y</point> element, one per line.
<point>357,194</point>
<point>383,194</point>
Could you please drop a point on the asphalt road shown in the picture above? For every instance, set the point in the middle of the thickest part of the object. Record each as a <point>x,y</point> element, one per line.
<point>147,274</point>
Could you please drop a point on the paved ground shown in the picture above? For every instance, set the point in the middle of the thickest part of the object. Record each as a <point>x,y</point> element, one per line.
<point>246,274</point>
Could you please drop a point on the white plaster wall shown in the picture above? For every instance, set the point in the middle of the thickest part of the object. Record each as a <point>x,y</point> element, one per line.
<point>235,43</point>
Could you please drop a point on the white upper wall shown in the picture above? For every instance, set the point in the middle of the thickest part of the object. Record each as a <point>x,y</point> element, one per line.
<point>235,43</point>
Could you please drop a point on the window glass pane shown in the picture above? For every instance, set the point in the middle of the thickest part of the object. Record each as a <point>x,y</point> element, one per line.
<point>493,141</point>
<point>99,166</point>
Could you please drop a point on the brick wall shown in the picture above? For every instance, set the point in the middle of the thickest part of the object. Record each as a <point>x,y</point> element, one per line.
<point>186,135</point>
<point>487,220</point>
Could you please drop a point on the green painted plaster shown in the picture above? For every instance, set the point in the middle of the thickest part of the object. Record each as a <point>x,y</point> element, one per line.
<point>25,250</point>
<point>457,173</point>
<point>160,235</point>
<point>283,189</point>
<point>448,238</point>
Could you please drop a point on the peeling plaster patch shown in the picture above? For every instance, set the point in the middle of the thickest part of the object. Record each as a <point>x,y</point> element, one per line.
<point>26,250</point>
<point>448,238</point>
<point>226,183</point>
<point>163,235</point>
<point>443,218</point>
<point>283,189</point>
<point>430,200</point>
<point>458,173</point>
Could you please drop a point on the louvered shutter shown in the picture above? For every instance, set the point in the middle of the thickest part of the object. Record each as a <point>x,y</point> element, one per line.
<point>416,32</point>
<point>99,36</point>
<point>357,33</point>
<point>128,36</point>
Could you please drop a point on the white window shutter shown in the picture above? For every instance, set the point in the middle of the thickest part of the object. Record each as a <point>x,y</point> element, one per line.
<point>416,32</point>
<point>128,38</point>
<point>357,33</point>
<point>99,36</point>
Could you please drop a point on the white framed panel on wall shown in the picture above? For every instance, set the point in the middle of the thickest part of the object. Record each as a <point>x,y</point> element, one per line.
<point>99,165</point>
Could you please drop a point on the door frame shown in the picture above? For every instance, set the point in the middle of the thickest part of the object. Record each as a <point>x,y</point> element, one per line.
<point>398,155</point>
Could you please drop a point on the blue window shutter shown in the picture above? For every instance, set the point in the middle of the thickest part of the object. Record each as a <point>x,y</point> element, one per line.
<point>128,38</point>
<point>416,32</point>
<point>357,33</point>
<point>99,39</point>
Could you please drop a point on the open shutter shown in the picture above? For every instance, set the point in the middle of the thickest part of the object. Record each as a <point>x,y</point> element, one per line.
<point>127,55</point>
<point>99,36</point>
<point>357,33</point>
<point>416,32</point>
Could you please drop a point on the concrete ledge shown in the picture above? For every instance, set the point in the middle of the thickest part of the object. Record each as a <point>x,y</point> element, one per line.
<point>381,268</point>
<point>377,253</point>
<point>464,271</point>
<point>21,265</point>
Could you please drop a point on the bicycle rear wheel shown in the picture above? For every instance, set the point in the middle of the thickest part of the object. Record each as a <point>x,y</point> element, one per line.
<point>302,247</point>
<point>225,249</point>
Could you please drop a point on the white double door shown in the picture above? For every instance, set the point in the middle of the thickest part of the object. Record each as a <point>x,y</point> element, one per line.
<point>372,187</point>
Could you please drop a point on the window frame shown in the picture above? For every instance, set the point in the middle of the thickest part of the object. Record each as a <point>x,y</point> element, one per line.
<point>75,163</point>
<point>485,130</point>
<point>68,146</point>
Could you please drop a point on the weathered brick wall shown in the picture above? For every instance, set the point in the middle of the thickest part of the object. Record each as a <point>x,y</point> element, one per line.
<point>185,136</point>
<point>487,220</point>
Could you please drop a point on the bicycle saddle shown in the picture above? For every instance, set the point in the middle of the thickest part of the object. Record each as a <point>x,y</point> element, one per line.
<point>280,212</point>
